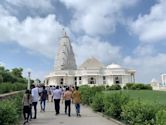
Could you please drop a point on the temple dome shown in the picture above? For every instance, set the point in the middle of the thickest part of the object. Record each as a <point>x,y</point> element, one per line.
<point>113,66</point>
<point>154,80</point>
<point>91,63</point>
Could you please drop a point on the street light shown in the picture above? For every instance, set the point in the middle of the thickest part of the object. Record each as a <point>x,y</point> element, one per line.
<point>29,79</point>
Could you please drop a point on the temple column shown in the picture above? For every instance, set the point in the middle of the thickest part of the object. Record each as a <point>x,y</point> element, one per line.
<point>132,77</point>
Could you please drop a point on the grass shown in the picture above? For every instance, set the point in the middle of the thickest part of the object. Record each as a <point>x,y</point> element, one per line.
<point>147,96</point>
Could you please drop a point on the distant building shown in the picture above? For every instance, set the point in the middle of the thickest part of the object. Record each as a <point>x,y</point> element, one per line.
<point>155,84</point>
<point>91,72</point>
<point>163,79</point>
<point>159,85</point>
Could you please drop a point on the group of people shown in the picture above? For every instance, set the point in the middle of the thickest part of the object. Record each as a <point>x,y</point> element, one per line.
<point>66,94</point>
<point>30,99</point>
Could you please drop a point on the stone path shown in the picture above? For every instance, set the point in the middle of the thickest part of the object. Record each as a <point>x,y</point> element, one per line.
<point>88,117</point>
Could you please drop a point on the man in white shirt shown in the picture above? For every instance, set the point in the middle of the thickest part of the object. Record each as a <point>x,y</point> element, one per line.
<point>57,93</point>
<point>35,97</point>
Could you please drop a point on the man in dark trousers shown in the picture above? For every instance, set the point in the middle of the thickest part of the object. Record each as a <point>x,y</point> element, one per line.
<point>57,96</point>
<point>44,97</point>
<point>67,97</point>
<point>35,96</point>
<point>76,100</point>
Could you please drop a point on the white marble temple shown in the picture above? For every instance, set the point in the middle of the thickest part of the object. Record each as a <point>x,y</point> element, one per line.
<point>91,72</point>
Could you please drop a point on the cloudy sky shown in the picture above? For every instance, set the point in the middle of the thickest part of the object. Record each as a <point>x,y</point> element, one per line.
<point>131,33</point>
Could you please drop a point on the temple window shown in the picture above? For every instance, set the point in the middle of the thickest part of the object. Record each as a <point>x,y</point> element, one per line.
<point>92,80</point>
<point>75,81</point>
<point>61,81</point>
<point>104,80</point>
<point>80,80</point>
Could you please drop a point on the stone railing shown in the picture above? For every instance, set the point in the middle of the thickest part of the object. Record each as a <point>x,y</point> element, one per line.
<point>7,95</point>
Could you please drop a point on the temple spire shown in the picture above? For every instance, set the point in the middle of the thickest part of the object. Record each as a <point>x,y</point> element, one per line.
<point>64,33</point>
<point>65,59</point>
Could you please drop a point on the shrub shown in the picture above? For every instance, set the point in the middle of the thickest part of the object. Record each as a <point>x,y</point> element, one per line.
<point>114,87</point>
<point>10,110</point>
<point>1,78</point>
<point>129,86</point>
<point>161,117</point>
<point>98,88</point>
<point>137,86</point>
<point>148,87</point>
<point>138,113</point>
<point>97,103</point>
<point>88,93</point>
<point>113,104</point>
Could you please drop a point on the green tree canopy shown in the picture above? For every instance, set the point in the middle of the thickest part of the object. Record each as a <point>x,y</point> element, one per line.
<point>15,75</point>
<point>17,72</point>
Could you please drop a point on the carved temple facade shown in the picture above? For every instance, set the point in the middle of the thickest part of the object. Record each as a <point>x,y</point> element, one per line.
<point>91,72</point>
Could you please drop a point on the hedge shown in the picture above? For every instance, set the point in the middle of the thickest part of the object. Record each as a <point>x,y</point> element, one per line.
<point>161,117</point>
<point>87,93</point>
<point>98,102</point>
<point>120,106</point>
<point>137,86</point>
<point>114,87</point>
<point>138,113</point>
<point>9,87</point>
<point>11,110</point>
<point>113,104</point>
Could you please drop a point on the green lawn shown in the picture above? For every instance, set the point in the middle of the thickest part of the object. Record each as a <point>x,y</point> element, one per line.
<point>147,96</point>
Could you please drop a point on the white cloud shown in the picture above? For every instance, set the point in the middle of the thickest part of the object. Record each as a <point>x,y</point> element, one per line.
<point>147,61</point>
<point>147,67</point>
<point>38,34</point>
<point>87,47</point>
<point>3,11</point>
<point>42,35</point>
<point>2,63</point>
<point>33,4</point>
<point>96,17</point>
<point>152,27</point>
<point>37,74</point>
<point>145,50</point>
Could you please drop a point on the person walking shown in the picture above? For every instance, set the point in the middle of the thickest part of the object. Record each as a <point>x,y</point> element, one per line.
<point>67,97</point>
<point>40,90</point>
<point>57,96</point>
<point>35,96</point>
<point>27,101</point>
<point>44,97</point>
<point>76,100</point>
<point>48,93</point>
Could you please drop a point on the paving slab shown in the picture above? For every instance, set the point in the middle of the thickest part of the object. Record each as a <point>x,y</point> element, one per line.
<point>88,117</point>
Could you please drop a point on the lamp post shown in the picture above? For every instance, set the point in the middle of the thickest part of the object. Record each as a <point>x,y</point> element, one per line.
<point>29,80</point>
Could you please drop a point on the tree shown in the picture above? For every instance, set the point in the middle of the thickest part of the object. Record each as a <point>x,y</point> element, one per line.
<point>17,72</point>
<point>6,75</point>
<point>1,79</point>
<point>38,80</point>
<point>2,68</point>
<point>15,75</point>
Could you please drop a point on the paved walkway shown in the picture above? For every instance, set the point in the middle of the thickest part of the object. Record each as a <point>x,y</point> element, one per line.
<point>88,117</point>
